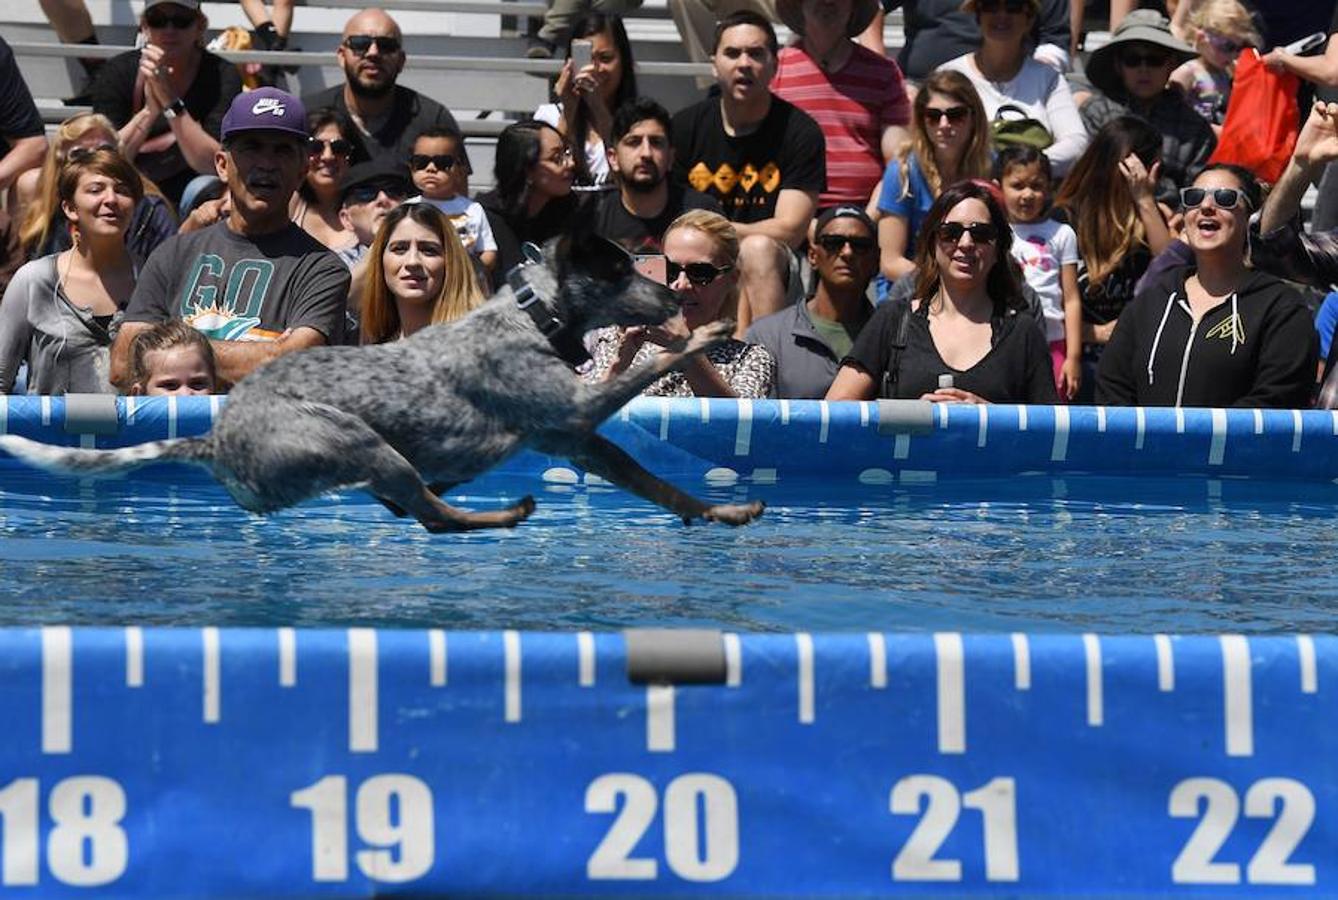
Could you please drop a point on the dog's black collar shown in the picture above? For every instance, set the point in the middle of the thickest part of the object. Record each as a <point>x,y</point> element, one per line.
<point>567,343</point>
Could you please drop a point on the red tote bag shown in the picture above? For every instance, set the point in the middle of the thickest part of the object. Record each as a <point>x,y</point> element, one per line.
<point>1262,119</point>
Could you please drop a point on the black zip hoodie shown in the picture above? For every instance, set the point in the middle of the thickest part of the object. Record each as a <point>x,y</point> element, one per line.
<point>1257,348</point>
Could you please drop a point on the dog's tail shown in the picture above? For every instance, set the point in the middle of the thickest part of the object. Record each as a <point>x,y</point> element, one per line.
<point>79,461</point>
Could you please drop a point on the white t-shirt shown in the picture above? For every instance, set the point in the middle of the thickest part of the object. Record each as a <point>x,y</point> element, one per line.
<point>596,160</point>
<point>1043,94</point>
<point>470,222</point>
<point>1040,248</point>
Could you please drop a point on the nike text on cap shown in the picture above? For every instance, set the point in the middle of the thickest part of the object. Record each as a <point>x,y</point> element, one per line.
<point>265,109</point>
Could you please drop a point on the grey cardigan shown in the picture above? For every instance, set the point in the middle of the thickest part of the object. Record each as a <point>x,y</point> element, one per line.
<point>67,350</point>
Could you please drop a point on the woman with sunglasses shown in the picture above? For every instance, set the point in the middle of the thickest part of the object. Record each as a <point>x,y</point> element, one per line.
<point>701,258</point>
<point>1217,333</point>
<point>1133,75</point>
<point>330,152</point>
<point>1005,75</point>
<point>585,98</point>
<point>43,226</point>
<point>966,336</point>
<point>168,98</point>
<point>950,141</point>
<point>61,312</point>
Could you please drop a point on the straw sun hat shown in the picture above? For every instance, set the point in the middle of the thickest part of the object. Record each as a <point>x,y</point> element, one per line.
<point>791,12</point>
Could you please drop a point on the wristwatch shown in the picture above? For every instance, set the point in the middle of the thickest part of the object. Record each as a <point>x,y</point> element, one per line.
<point>175,108</point>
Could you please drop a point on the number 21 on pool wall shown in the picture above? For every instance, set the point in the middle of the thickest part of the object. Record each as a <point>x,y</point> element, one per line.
<point>942,806</point>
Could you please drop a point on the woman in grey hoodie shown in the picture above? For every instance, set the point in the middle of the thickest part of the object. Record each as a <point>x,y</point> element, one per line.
<point>60,312</point>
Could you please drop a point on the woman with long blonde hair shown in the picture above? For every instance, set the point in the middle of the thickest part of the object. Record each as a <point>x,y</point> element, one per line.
<point>43,227</point>
<point>419,275</point>
<point>950,142</point>
<point>61,312</point>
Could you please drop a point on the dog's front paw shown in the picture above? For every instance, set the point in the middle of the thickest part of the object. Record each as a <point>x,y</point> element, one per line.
<point>734,513</point>
<point>712,334</point>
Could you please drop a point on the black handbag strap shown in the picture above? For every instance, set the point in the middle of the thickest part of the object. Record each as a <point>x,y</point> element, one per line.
<point>893,371</point>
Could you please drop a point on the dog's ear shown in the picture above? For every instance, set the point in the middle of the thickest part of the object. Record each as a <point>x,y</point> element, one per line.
<point>600,258</point>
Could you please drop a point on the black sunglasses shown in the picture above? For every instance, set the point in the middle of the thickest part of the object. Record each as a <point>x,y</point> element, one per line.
<point>339,147</point>
<point>366,193</point>
<point>361,43</point>
<point>700,274</point>
<point>1151,60</point>
<point>833,243</point>
<point>80,154</point>
<point>981,232</point>
<point>1008,6</point>
<point>953,114</point>
<point>443,161</point>
<point>160,18</point>
<point>1223,198</point>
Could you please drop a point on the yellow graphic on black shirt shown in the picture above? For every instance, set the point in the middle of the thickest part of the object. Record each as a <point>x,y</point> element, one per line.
<point>724,180</point>
<point>1229,329</point>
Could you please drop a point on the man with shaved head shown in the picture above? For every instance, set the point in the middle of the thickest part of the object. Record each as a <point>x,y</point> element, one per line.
<point>388,116</point>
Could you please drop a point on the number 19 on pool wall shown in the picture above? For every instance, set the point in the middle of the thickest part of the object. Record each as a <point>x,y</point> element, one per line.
<point>392,815</point>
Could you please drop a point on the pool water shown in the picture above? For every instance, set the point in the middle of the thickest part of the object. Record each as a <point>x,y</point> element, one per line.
<point>1034,553</point>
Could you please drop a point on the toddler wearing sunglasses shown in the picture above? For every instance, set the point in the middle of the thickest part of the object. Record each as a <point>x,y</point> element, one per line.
<point>1219,30</point>
<point>1047,251</point>
<point>440,170</point>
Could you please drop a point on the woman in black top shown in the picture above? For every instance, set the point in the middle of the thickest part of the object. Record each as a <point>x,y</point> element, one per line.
<point>168,99</point>
<point>967,322</point>
<point>533,201</point>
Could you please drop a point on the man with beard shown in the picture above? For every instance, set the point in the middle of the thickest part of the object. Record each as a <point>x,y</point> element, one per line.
<point>641,154</point>
<point>255,284</point>
<point>388,116</point>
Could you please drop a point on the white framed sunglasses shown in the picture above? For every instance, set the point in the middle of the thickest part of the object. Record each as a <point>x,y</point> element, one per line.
<point>1223,198</point>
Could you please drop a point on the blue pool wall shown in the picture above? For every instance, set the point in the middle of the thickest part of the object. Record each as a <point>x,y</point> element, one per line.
<point>280,762</point>
<point>763,441</point>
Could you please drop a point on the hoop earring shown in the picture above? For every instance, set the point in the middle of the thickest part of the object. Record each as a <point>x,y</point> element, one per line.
<point>76,237</point>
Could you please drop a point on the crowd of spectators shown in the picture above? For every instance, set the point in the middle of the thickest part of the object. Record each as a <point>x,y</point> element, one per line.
<point>990,215</point>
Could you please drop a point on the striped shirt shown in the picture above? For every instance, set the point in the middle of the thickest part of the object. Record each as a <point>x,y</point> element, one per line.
<point>852,106</point>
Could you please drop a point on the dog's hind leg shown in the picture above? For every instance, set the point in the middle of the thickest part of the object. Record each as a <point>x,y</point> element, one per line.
<point>436,487</point>
<point>291,450</point>
<point>612,463</point>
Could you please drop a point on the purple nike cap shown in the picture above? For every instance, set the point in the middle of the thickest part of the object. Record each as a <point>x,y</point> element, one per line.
<point>265,109</point>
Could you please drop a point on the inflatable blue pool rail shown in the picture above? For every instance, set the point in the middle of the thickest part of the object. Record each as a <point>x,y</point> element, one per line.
<point>875,442</point>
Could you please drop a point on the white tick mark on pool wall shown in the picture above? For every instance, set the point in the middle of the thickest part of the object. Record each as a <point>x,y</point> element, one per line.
<point>951,681</point>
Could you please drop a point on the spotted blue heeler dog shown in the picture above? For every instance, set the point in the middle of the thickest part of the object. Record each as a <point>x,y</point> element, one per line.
<point>408,420</point>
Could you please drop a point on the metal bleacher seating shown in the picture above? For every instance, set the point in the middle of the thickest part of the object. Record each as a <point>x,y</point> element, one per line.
<point>467,54</point>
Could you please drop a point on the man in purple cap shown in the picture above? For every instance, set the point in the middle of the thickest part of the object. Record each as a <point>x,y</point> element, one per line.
<point>255,283</point>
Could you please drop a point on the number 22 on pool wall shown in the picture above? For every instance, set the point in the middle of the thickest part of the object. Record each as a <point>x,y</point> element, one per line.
<point>1289,800</point>
<point>997,803</point>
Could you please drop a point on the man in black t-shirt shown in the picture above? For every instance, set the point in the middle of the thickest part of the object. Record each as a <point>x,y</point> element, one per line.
<point>388,116</point>
<point>640,154</point>
<point>22,136</point>
<point>761,157</point>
